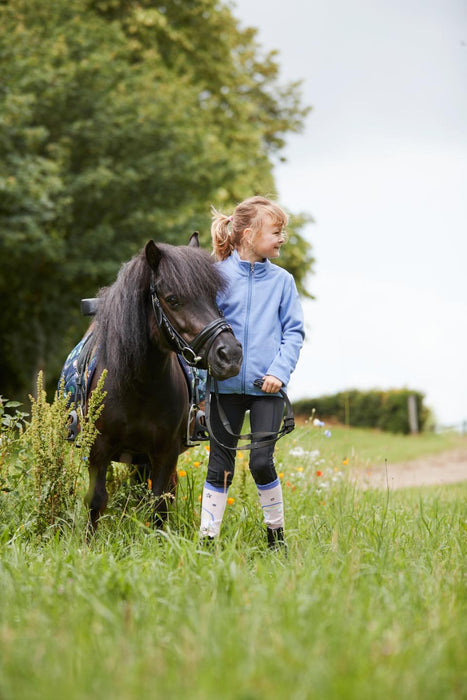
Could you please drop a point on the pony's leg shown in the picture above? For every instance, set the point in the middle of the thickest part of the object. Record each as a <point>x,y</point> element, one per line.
<point>164,483</point>
<point>97,496</point>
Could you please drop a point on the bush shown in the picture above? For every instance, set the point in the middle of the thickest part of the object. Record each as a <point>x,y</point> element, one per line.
<point>386,410</point>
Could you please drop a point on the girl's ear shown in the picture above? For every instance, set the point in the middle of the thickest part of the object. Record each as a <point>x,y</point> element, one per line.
<point>153,255</point>
<point>247,236</point>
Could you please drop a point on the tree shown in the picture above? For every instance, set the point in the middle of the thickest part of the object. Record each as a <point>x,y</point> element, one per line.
<point>121,120</point>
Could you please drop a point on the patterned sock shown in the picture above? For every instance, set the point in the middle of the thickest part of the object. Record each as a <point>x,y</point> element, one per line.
<point>212,510</point>
<point>270,497</point>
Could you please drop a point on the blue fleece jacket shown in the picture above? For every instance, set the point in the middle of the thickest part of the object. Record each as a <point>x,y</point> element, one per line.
<point>262,305</point>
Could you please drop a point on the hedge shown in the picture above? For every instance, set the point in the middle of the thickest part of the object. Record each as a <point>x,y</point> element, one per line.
<point>386,410</point>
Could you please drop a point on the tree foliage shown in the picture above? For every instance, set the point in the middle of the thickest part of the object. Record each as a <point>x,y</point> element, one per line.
<point>120,121</point>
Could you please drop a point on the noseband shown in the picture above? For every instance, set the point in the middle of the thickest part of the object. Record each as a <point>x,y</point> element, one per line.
<point>206,337</point>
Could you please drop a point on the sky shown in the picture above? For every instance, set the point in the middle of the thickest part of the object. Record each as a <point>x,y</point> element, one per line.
<point>381,165</point>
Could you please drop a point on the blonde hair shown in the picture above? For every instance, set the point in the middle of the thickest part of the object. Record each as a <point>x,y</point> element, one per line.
<point>227,231</point>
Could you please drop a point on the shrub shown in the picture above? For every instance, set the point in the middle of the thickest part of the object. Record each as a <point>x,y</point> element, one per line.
<point>387,410</point>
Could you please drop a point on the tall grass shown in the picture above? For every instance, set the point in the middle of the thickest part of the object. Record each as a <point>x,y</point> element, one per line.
<point>369,603</point>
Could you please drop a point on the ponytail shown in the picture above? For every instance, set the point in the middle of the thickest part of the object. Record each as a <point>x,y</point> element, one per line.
<point>222,243</point>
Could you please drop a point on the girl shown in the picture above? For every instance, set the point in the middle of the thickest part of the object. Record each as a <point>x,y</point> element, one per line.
<point>261,303</point>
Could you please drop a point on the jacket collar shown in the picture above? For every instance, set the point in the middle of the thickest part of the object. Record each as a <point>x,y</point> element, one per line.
<point>246,268</point>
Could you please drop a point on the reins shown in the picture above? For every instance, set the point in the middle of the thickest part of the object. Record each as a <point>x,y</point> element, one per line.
<point>206,337</point>
<point>261,439</point>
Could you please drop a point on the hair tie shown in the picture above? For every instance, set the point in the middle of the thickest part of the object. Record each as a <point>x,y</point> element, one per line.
<point>229,218</point>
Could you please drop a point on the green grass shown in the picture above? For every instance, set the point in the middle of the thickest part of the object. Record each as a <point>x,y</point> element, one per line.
<point>369,603</point>
<point>373,446</point>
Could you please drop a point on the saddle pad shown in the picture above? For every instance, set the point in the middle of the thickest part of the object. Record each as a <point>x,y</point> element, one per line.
<point>71,374</point>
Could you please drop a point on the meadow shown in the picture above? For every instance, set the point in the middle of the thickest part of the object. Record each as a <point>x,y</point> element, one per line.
<point>370,601</point>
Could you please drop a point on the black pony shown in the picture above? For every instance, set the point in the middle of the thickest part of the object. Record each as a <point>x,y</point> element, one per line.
<point>163,303</point>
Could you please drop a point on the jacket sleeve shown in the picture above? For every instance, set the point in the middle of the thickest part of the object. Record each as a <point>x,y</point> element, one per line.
<point>293,333</point>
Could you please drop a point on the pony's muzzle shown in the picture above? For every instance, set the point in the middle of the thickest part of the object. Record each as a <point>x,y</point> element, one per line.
<point>225,358</point>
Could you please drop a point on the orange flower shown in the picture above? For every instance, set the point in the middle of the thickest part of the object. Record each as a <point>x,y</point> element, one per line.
<point>196,464</point>
<point>231,501</point>
<point>207,448</point>
<point>319,473</point>
<point>240,455</point>
<point>299,469</point>
<point>150,484</point>
<point>199,498</point>
<point>281,475</point>
<point>181,473</point>
<point>345,461</point>
<point>287,483</point>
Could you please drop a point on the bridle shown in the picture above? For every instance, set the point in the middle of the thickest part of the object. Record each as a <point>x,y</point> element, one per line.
<point>189,351</point>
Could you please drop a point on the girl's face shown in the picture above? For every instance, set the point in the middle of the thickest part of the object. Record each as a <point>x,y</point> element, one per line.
<point>265,244</point>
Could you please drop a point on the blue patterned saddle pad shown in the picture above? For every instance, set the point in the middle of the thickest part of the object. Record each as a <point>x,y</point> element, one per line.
<point>77,379</point>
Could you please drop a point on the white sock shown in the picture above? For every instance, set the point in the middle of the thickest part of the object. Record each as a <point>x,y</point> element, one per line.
<point>270,497</point>
<point>212,510</point>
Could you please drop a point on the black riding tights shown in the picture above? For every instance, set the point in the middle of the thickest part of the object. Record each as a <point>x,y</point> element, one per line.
<point>265,416</point>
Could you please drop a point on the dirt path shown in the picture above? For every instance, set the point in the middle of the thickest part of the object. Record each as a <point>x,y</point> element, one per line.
<point>445,468</point>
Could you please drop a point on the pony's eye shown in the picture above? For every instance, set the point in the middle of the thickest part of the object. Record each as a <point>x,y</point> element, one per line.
<point>172,301</point>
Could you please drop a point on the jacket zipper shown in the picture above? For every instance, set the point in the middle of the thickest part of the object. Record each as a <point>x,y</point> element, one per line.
<point>247,324</point>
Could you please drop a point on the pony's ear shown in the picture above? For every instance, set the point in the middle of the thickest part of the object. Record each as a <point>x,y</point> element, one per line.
<point>153,255</point>
<point>194,239</point>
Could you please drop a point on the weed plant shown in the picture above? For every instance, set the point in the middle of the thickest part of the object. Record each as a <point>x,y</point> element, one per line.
<point>43,468</point>
<point>370,601</point>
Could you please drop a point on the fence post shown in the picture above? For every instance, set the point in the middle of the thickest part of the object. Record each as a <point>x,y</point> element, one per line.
<point>413,417</point>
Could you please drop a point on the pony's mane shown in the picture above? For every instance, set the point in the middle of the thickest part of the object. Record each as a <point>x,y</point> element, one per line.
<point>122,331</point>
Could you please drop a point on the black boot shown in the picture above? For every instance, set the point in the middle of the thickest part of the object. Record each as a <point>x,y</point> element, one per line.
<point>276,539</point>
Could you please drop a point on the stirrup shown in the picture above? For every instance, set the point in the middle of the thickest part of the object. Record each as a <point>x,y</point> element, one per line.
<point>199,432</point>
<point>73,426</point>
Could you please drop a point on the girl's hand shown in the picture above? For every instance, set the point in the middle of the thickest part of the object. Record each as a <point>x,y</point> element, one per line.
<point>271,385</point>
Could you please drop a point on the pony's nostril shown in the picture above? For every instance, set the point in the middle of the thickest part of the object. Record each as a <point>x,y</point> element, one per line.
<point>222,354</point>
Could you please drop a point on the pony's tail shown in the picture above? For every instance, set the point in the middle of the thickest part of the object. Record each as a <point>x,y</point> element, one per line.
<point>222,243</point>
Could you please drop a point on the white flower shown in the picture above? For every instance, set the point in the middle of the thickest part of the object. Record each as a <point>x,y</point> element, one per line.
<point>297,452</point>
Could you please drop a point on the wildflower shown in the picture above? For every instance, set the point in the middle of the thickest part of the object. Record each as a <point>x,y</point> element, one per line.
<point>147,524</point>
<point>196,464</point>
<point>322,503</point>
<point>181,473</point>
<point>327,433</point>
<point>318,423</point>
<point>299,469</point>
<point>199,498</point>
<point>345,461</point>
<point>240,455</point>
<point>150,484</point>
<point>281,475</point>
<point>207,448</point>
<point>319,472</point>
<point>297,452</point>
<point>230,501</point>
